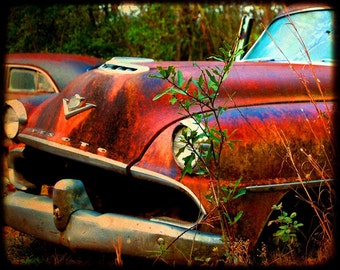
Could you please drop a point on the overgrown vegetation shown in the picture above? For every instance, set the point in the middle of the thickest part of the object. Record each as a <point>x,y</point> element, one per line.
<point>286,235</point>
<point>182,31</point>
<point>322,199</point>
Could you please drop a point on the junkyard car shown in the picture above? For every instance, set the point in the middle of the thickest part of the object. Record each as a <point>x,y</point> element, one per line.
<point>29,74</point>
<point>95,164</point>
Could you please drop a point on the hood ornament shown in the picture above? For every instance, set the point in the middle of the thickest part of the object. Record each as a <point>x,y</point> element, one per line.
<point>75,105</point>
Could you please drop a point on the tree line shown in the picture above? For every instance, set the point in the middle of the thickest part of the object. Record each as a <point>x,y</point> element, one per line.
<point>162,31</point>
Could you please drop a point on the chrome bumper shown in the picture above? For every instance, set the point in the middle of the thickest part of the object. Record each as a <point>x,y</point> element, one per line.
<point>90,230</point>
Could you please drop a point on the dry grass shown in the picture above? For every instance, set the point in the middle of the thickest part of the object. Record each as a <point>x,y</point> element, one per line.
<point>25,250</point>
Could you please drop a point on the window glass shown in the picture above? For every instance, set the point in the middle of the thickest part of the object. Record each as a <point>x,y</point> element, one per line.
<point>22,79</point>
<point>44,84</point>
<point>297,37</point>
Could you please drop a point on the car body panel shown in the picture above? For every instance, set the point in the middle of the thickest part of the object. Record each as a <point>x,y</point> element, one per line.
<point>56,71</point>
<point>128,105</point>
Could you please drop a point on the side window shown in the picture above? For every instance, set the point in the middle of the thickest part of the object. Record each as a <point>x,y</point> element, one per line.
<point>22,79</point>
<point>44,84</point>
<point>30,80</point>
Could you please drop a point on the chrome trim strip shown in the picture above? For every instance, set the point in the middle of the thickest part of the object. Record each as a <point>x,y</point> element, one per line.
<point>282,186</point>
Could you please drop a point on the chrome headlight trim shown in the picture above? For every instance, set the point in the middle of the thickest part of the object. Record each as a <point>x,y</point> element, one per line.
<point>177,142</point>
<point>15,116</point>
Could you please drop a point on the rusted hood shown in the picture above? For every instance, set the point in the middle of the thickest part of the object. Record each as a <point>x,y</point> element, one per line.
<point>122,117</point>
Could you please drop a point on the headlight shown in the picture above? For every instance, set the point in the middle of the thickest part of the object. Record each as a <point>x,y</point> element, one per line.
<point>11,124</point>
<point>15,115</point>
<point>179,142</point>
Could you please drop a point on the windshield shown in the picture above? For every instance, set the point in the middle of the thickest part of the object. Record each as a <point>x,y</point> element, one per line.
<point>289,38</point>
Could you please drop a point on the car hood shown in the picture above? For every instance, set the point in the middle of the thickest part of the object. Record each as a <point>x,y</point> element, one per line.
<point>120,116</point>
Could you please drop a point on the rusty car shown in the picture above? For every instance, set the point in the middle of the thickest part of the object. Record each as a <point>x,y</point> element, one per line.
<point>94,165</point>
<point>29,74</point>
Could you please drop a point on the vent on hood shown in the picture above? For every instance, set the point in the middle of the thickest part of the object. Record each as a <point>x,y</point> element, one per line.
<point>131,59</point>
<point>124,65</point>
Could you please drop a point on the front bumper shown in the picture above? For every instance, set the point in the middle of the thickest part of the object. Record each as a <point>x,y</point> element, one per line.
<point>76,226</point>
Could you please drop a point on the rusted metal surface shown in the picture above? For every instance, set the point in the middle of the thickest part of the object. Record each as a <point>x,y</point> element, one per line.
<point>128,110</point>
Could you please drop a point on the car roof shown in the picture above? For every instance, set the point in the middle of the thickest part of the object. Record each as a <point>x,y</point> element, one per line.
<point>301,7</point>
<point>62,67</point>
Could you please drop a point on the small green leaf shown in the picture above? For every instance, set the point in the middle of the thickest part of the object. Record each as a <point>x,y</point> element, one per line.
<point>228,217</point>
<point>293,215</point>
<point>240,193</point>
<point>180,79</point>
<point>287,220</point>
<point>187,85</point>
<point>180,151</point>
<point>161,94</point>
<point>209,198</point>
<point>173,100</point>
<point>279,233</point>
<point>216,58</point>
<point>188,164</point>
<point>238,216</point>
<point>283,227</point>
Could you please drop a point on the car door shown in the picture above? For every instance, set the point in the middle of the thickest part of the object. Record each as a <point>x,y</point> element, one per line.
<point>25,81</point>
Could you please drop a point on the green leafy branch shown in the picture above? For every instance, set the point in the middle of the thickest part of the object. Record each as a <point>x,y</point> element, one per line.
<point>203,142</point>
<point>197,97</point>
